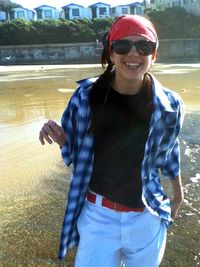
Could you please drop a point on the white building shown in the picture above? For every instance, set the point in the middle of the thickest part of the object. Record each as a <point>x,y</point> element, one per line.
<point>134,8</point>
<point>73,11</point>
<point>22,13</point>
<point>47,12</point>
<point>191,6</point>
<point>100,10</point>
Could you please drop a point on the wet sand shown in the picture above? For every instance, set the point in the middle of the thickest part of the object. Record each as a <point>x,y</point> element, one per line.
<point>33,200</point>
<point>19,68</point>
<point>183,236</point>
<point>32,223</point>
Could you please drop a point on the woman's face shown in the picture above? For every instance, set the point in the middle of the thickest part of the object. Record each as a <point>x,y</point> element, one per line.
<point>131,67</point>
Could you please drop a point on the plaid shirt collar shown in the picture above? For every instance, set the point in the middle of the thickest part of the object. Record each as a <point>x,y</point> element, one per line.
<point>161,100</point>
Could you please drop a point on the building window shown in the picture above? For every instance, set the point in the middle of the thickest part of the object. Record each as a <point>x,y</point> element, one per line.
<point>66,12</point>
<point>124,10</point>
<point>139,10</point>
<point>12,15</point>
<point>75,12</point>
<point>39,14</point>
<point>102,11</point>
<point>113,10</point>
<point>20,14</point>
<point>48,13</point>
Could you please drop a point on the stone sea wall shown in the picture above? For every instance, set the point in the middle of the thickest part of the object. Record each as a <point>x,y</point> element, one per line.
<point>170,51</point>
<point>179,50</point>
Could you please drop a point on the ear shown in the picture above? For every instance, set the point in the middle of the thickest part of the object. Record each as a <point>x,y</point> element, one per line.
<point>154,57</point>
<point>112,58</point>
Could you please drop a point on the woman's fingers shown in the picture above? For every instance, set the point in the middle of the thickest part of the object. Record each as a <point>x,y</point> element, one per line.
<point>41,139</point>
<point>44,136</point>
<point>52,131</point>
<point>58,134</point>
<point>56,128</point>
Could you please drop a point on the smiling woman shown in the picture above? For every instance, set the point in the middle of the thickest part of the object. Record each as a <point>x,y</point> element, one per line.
<point>120,131</point>
<point>135,60</point>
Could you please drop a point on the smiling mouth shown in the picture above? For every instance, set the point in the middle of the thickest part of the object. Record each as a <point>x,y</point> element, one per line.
<point>132,65</point>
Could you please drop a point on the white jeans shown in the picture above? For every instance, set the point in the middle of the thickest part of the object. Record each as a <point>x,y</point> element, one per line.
<point>109,238</point>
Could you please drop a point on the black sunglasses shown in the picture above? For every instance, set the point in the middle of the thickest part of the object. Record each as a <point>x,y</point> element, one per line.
<point>124,46</point>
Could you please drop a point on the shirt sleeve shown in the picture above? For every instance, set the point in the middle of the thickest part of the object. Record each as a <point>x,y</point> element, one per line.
<point>171,167</point>
<point>68,122</point>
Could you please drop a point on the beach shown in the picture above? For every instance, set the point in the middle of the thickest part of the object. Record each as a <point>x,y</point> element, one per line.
<point>34,180</point>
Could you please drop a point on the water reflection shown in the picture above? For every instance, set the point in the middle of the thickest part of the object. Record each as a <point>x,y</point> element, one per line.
<point>34,180</point>
<point>184,79</point>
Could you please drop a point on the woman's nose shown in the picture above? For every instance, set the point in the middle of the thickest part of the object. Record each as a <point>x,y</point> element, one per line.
<point>133,50</point>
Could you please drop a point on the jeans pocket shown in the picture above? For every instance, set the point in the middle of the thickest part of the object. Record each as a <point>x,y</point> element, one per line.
<point>80,218</point>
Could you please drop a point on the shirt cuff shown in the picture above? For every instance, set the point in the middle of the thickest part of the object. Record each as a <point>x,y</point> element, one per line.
<point>66,155</point>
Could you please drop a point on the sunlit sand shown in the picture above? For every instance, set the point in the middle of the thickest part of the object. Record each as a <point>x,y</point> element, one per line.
<point>34,180</point>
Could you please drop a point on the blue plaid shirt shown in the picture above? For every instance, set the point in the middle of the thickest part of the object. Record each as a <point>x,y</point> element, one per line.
<point>161,154</point>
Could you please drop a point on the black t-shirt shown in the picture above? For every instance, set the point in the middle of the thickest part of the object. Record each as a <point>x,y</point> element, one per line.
<point>122,126</point>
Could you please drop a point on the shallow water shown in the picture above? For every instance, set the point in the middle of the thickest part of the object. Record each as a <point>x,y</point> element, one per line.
<point>34,180</point>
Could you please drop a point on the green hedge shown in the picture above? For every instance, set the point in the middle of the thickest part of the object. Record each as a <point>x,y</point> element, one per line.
<point>170,23</point>
<point>175,23</point>
<point>20,32</point>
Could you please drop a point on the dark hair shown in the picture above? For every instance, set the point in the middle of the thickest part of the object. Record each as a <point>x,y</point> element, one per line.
<point>100,88</point>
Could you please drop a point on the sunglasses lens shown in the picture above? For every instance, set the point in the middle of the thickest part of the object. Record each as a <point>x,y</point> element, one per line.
<point>122,47</point>
<point>143,47</point>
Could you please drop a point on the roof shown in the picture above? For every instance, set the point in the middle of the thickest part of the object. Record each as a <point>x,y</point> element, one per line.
<point>133,4</point>
<point>71,5</point>
<point>20,7</point>
<point>136,3</point>
<point>39,7</point>
<point>23,8</point>
<point>98,3</point>
<point>121,5</point>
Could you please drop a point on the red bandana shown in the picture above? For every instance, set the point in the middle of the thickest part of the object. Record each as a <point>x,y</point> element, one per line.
<point>132,25</point>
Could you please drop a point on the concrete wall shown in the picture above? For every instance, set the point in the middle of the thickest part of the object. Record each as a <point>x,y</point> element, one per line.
<point>177,50</point>
<point>50,54</point>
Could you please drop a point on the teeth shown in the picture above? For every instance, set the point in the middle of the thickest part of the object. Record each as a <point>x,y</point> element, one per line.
<point>132,64</point>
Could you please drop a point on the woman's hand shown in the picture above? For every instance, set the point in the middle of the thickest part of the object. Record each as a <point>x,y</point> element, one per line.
<point>178,198</point>
<point>175,206</point>
<point>52,132</point>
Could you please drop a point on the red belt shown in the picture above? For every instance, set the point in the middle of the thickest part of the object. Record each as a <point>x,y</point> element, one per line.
<point>91,197</point>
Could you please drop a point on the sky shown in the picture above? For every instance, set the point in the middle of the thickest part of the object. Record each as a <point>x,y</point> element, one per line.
<point>30,4</point>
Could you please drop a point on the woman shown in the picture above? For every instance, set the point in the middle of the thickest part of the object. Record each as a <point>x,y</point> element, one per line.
<point>120,131</point>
